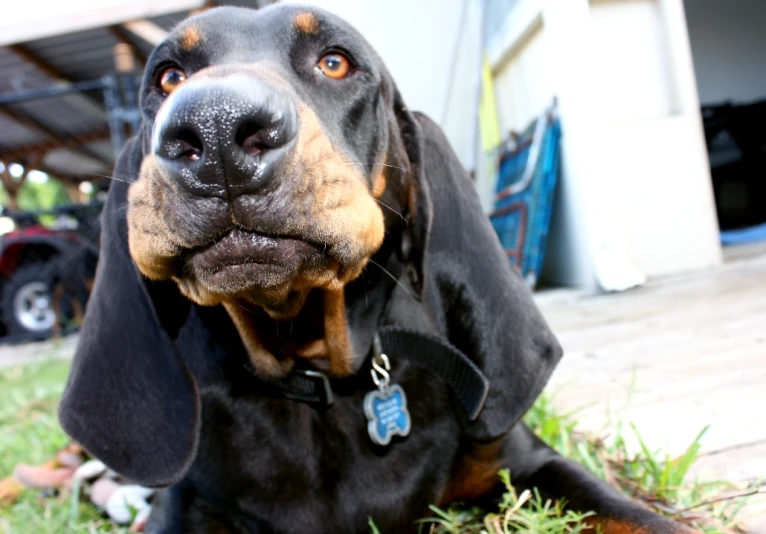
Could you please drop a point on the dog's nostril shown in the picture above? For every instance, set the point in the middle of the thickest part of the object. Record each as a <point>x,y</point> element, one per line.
<point>254,138</point>
<point>185,145</point>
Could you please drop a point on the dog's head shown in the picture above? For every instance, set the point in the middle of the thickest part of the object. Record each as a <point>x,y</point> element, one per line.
<point>275,159</point>
<point>270,136</point>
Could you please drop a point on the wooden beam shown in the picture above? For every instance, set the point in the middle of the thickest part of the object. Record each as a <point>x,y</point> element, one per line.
<point>48,69</point>
<point>124,36</point>
<point>27,22</point>
<point>41,148</point>
<point>209,4</point>
<point>29,57</point>
<point>30,122</point>
<point>146,30</point>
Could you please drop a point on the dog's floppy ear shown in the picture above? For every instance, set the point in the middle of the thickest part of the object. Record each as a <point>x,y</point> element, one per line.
<point>130,399</point>
<point>482,304</point>
<point>417,198</point>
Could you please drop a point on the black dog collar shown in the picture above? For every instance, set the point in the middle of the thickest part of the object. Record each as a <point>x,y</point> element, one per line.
<point>447,362</point>
<point>307,385</point>
<point>303,385</point>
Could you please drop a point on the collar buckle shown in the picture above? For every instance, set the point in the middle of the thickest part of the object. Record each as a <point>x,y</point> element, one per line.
<point>308,385</point>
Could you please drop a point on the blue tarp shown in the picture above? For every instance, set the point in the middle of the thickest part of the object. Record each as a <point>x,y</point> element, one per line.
<point>524,194</point>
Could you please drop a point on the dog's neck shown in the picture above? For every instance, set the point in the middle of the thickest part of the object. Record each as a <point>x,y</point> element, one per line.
<point>331,337</point>
<point>318,333</point>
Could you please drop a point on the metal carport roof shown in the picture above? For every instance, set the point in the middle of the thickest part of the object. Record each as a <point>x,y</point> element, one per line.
<point>68,136</point>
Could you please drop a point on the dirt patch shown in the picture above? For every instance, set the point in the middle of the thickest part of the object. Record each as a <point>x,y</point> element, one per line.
<point>37,351</point>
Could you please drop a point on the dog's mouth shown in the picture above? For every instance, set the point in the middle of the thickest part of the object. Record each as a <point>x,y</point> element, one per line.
<point>242,260</point>
<point>294,280</point>
<point>242,247</point>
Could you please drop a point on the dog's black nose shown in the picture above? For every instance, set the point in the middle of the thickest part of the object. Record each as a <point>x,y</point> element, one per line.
<point>224,137</point>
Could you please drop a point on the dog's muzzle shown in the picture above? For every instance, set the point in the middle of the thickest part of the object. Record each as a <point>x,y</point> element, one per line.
<point>224,137</point>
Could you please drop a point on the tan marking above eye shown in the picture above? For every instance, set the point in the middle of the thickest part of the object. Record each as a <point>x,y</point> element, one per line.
<point>171,78</point>
<point>335,66</point>
<point>307,23</point>
<point>190,38</point>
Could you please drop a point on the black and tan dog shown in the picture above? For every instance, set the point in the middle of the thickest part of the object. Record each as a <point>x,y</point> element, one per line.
<point>284,208</point>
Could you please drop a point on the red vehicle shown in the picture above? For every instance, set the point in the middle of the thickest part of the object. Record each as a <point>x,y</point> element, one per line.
<point>45,271</point>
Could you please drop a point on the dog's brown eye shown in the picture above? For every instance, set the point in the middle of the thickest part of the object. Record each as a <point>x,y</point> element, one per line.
<point>335,66</point>
<point>171,78</point>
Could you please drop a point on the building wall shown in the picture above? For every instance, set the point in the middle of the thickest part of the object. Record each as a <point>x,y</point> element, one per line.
<point>529,87</point>
<point>728,41</point>
<point>460,116</point>
<point>654,163</point>
<point>635,195</point>
<point>630,53</point>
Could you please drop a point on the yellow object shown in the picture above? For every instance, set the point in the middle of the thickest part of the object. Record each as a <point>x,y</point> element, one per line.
<point>488,123</point>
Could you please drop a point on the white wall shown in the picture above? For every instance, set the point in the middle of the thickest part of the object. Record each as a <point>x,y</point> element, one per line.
<point>635,195</point>
<point>630,51</point>
<point>460,117</point>
<point>529,87</point>
<point>653,161</point>
<point>728,40</point>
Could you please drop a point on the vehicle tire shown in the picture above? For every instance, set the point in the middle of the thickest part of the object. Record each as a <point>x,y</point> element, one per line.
<point>26,305</point>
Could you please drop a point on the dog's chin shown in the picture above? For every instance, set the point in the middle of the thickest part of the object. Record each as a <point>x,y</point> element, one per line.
<point>274,272</point>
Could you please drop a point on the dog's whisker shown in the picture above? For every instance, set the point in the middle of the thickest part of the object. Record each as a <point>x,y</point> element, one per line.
<point>114,213</point>
<point>246,308</point>
<point>402,217</point>
<point>109,177</point>
<point>124,171</point>
<point>392,277</point>
<point>387,165</point>
<point>353,162</point>
<point>350,160</point>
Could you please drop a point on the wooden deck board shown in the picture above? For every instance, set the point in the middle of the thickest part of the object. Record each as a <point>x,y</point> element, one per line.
<point>694,349</point>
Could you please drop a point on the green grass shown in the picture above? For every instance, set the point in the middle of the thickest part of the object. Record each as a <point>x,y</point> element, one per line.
<point>652,477</point>
<point>30,434</point>
<point>527,512</point>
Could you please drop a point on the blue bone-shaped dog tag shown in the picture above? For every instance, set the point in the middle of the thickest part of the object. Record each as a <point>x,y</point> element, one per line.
<point>387,414</point>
